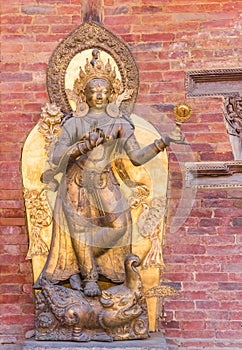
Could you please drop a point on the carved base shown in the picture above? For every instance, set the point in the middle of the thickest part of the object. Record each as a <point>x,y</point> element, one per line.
<point>155,341</point>
<point>120,313</point>
<point>89,326</point>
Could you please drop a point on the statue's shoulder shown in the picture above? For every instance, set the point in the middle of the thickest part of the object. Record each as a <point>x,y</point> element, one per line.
<point>73,125</point>
<point>127,121</point>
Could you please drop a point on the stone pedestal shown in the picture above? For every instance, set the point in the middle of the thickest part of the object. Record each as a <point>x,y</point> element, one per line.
<point>154,342</point>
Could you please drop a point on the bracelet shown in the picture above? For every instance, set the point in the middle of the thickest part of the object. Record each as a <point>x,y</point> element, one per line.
<point>158,145</point>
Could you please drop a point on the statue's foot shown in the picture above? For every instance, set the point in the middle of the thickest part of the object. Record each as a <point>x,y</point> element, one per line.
<point>75,282</point>
<point>81,337</point>
<point>91,289</point>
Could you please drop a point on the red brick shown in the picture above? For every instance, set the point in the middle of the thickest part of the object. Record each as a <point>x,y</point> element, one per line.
<point>122,20</point>
<point>28,288</point>
<point>192,325</point>
<point>40,20</point>
<point>37,29</point>
<point>172,333</point>
<point>129,38</point>
<point>6,259</point>
<point>16,76</point>
<point>229,334</point>
<point>210,222</point>
<point>8,19</point>
<point>211,194</point>
<point>10,309</point>
<point>222,156</point>
<point>10,289</point>
<point>155,19</point>
<point>230,286</point>
<point>218,240</point>
<point>146,9</point>
<point>158,37</point>
<point>235,325</point>
<point>202,230</point>
<point>229,230</point>
<point>211,276</point>
<point>223,250</point>
<point>190,315</point>
<point>180,305</point>
<point>196,344</point>
<point>198,334</point>
<point>19,319</point>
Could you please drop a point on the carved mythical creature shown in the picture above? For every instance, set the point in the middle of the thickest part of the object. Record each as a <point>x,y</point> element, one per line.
<point>118,306</point>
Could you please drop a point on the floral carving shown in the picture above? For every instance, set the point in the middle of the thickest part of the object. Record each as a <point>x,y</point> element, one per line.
<point>150,226</point>
<point>40,216</point>
<point>50,120</point>
<point>161,292</point>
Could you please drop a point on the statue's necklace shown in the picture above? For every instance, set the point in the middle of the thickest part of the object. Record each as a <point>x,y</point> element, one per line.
<point>98,120</point>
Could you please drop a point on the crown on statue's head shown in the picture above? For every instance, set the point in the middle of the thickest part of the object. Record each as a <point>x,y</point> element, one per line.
<point>96,69</point>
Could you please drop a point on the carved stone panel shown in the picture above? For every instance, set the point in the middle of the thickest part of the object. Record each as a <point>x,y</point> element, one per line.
<point>214,174</point>
<point>219,82</point>
<point>233,118</point>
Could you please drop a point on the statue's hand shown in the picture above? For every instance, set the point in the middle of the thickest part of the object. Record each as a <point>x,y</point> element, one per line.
<point>47,177</point>
<point>176,136</point>
<point>96,138</point>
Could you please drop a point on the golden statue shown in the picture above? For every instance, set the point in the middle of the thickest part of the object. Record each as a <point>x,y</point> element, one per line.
<point>91,239</point>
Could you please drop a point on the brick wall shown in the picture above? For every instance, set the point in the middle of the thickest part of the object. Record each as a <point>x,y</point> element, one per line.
<point>203,233</point>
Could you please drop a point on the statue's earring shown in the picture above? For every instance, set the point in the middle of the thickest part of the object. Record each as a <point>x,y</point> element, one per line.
<point>112,110</point>
<point>82,109</point>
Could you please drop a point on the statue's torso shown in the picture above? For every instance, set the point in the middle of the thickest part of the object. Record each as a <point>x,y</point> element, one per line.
<point>113,129</point>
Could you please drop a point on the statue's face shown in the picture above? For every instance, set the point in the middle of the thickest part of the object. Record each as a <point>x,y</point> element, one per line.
<point>98,92</point>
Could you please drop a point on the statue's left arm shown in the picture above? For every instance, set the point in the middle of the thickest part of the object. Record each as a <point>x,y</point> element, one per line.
<point>139,156</point>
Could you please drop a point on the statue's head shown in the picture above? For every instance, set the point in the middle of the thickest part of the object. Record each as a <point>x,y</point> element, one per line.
<point>99,87</point>
<point>96,74</point>
<point>98,93</point>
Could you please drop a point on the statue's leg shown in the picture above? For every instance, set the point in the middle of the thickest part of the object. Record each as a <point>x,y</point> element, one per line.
<point>87,265</point>
<point>115,226</point>
<point>80,210</point>
<point>107,237</point>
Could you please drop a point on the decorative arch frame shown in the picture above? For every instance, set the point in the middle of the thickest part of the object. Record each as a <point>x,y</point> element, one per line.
<point>76,42</point>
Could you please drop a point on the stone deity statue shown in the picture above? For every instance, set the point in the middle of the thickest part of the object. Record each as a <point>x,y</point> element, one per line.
<point>90,203</point>
<point>87,283</point>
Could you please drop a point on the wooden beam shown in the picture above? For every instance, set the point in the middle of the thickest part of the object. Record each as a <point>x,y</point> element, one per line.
<point>91,10</point>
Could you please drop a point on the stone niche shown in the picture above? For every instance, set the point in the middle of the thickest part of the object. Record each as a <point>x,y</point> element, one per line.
<point>228,84</point>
